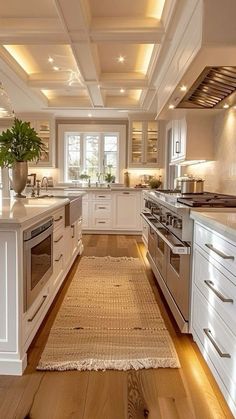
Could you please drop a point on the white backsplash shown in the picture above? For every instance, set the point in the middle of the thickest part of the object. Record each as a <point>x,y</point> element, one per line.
<point>220,175</point>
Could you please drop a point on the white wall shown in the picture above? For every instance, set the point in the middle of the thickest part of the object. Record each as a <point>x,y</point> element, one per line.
<point>220,175</point>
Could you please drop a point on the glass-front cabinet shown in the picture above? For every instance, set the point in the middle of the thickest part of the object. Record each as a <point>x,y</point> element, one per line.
<point>45,130</point>
<point>143,144</point>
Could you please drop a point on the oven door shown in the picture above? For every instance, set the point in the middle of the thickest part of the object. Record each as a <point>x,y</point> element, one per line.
<point>38,265</point>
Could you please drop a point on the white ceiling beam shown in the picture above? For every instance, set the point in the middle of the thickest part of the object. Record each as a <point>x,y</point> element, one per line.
<point>74,17</point>
<point>25,31</point>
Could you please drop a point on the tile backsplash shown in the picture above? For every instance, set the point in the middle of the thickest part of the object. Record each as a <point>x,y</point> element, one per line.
<point>220,174</point>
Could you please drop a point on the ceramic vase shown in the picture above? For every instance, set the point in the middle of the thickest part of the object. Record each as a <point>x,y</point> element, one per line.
<point>19,177</point>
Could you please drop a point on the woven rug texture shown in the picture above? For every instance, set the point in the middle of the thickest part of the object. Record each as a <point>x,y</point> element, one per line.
<point>109,319</point>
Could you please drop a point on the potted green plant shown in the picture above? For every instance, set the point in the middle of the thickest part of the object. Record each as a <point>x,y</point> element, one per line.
<point>18,145</point>
<point>109,178</point>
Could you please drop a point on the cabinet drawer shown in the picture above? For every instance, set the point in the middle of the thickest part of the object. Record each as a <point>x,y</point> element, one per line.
<point>102,223</point>
<point>101,196</point>
<point>218,341</point>
<point>217,247</point>
<point>102,209</point>
<point>33,317</point>
<point>59,218</point>
<point>216,287</point>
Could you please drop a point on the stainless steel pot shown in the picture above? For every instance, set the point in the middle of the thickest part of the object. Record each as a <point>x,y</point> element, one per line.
<point>189,186</point>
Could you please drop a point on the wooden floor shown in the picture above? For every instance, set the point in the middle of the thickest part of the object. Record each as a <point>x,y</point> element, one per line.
<point>185,393</point>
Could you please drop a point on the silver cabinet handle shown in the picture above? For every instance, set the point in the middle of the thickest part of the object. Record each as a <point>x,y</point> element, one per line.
<point>212,340</point>
<point>101,207</point>
<point>73,230</point>
<point>101,196</point>
<point>177,148</point>
<point>58,219</point>
<point>101,222</point>
<point>218,252</point>
<point>210,284</point>
<point>126,193</point>
<point>57,260</point>
<point>36,312</point>
<point>56,241</point>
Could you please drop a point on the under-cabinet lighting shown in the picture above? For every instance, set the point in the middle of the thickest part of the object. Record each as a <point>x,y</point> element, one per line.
<point>122,90</point>
<point>89,115</point>
<point>55,68</point>
<point>190,162</point>
<point>50,60</point>
<point>171,106</point>
<point>226,106</point>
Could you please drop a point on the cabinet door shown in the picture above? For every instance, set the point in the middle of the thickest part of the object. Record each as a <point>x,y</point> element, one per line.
<point>44,128</point>
<point>85,214</point>
<point>136,144</point>
<point>151,143</point>
<point>178,140</point>
<point>127,211</point>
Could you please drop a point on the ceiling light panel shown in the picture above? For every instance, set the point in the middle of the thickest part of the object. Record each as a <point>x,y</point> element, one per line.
<point>34,58</point>
<point>137,57</point>
<point>127,8</point>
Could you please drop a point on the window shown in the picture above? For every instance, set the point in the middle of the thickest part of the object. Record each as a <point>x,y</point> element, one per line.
<point>93,154</point>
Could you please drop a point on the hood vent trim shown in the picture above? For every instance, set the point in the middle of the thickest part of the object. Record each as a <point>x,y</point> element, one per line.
<point>212,86</point>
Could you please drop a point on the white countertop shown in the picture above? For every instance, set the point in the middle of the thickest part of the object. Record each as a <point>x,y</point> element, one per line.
<point>221,222</point>
<point>21,210</point>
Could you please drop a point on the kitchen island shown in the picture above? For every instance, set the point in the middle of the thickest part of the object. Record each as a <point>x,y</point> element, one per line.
<point>31,274</point>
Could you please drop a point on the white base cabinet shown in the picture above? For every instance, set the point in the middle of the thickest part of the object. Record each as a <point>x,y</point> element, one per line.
<point>18,328</point>
<point>213,320</point>
<point>112,211</point>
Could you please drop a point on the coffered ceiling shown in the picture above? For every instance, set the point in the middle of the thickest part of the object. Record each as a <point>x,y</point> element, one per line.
<point>82,55</point>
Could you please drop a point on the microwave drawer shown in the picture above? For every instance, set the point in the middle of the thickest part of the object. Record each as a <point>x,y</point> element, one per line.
<point>217,340</point>
<point>217,247</point>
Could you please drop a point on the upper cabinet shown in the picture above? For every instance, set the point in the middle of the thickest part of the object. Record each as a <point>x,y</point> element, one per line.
<point>46,131</point>
<point>143,144</point>
<point>192,139</point>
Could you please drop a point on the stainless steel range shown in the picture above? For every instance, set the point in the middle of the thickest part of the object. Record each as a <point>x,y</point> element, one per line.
<point>170,242</point>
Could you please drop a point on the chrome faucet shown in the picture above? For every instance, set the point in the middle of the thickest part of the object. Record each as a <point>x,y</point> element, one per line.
<point>44,182</point>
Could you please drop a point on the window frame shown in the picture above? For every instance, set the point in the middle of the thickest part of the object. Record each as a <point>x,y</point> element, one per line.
<point>96,129</point>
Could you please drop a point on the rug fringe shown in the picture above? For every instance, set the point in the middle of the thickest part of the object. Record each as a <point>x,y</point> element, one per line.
<point>112,258</point>
<point>96,365</point>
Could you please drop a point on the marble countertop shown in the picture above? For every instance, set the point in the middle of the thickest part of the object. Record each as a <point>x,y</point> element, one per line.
<point>22,210</point>
<point>93,189</point>
<point>220,221</point>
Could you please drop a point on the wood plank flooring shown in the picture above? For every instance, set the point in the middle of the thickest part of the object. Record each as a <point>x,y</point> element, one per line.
<point>186,393</point>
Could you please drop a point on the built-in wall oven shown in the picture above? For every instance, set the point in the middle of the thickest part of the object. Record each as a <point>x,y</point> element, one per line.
<point>170,261</point>
<point>38,259</point>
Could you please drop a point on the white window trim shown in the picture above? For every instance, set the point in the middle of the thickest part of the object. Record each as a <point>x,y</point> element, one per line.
<point>88,129</point>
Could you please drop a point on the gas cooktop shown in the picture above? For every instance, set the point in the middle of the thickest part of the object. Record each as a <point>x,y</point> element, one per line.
<point>208,200</point>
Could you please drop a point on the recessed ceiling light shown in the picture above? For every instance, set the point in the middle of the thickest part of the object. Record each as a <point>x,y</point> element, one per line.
<point>89,115</point>
<point>171,106</point>
<point>122,90</point>
<point>183,88</point>
<point>226,106</point>
<point>50,59</point>
<point>55,68</point>
<point>121,59</point>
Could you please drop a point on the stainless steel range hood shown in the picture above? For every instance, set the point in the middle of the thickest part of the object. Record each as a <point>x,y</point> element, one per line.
<point>212,86</point>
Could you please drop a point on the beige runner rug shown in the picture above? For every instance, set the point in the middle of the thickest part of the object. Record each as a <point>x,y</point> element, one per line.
<point>109,319</point>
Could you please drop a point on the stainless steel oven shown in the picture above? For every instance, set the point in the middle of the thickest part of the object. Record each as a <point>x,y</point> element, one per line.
<point>170,260</point>
<point>38,259</point>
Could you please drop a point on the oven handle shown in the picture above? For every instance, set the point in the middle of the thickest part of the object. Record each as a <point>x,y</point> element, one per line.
<point>183,250</point>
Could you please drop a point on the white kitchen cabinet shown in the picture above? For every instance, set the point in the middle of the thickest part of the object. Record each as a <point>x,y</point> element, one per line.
<point>213,322</point>
<point>179,131</point>
<point>143,144</point>
<point>127,211</point>
<point>112,211</point>
<point>192,139</point>
<point>45,128</point>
